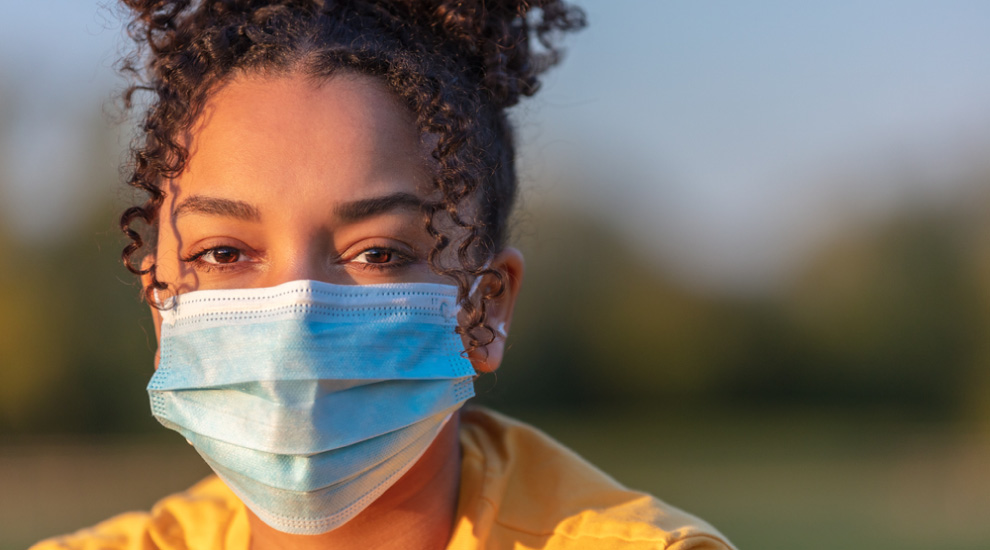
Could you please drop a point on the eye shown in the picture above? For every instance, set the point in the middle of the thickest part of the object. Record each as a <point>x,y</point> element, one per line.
<point>218,258</point>
<point>375,256</point>
<point>220,255</point>
<point>381,258</point>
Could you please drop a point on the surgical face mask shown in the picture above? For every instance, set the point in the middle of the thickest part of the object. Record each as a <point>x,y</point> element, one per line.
<point>310,399</point>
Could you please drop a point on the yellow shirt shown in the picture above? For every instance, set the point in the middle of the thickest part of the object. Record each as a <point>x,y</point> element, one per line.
<point>519,490</point>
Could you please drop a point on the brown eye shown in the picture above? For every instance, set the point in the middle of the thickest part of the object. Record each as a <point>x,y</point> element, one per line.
<point>381,258</point>
<point>220,259</point>
<point>376,256</point>
<point>222,255</point>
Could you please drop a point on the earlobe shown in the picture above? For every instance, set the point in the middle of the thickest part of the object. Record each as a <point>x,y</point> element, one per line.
<point>499,317</point>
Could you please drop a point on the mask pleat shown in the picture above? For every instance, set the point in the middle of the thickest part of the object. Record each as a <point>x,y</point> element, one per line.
<point>311,472</point>
<point>303,350</point>
<point>335,420</point>
<point>308,510</point>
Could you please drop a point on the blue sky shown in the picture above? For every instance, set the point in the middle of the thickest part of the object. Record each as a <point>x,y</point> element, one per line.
<point>727,135</point>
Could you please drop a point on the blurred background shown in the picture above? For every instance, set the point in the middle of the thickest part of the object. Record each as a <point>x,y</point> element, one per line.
<point>758,270</point>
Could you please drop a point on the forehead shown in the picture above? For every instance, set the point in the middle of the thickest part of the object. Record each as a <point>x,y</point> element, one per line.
<point>268,138</point>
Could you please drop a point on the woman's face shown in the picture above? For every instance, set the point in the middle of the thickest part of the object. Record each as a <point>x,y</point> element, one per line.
<point>290,178</point>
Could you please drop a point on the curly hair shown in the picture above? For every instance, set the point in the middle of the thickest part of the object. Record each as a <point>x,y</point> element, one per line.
<point>456,64</point>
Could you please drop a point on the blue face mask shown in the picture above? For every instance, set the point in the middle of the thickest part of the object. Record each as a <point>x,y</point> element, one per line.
<point>310,399</point>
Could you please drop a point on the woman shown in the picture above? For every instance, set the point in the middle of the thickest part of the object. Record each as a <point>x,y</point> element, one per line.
<point>328,186</point>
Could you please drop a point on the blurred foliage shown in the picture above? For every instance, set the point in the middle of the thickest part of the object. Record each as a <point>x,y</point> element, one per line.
<point>888,317</point>
<point>77,350</point>
<point>76,344</point>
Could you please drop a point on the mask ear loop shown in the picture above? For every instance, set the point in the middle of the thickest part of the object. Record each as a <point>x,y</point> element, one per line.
<point>158,302</point>
<point>475,285</point>
<point>167,304</point>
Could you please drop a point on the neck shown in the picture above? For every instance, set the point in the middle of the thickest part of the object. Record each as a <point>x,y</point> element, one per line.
<point>417,513</point>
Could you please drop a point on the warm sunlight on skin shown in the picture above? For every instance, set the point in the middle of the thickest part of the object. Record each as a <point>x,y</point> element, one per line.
<point>288,179</point>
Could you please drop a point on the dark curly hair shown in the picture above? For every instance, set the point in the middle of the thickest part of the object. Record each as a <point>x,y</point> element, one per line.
<point>456,64</point>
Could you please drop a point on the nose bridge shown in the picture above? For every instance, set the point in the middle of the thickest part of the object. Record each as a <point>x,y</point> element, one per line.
<point>302,254</point>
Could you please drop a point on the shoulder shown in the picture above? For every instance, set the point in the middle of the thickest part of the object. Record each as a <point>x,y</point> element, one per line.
<point>207,516</point>
<point>522,489</point>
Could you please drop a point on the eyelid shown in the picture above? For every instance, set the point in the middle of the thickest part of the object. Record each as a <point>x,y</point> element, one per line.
<point>383,243</point>
<point>208,245</point>
<point>382,248</point>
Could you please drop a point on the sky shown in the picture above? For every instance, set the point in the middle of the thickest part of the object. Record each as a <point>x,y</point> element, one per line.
<point>726,137</point>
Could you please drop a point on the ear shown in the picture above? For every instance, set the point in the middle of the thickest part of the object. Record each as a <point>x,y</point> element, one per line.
<point>510,263</point>
<point>156,316</point>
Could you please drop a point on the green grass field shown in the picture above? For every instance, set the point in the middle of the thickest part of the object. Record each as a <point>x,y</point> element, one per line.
<point>767,482</point>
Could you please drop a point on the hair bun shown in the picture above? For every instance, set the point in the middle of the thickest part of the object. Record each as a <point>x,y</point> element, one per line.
<point>509,43</point>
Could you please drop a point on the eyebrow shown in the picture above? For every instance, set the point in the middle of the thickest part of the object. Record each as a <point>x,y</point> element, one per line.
<point>218,207</point>
<point>365,208</point>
